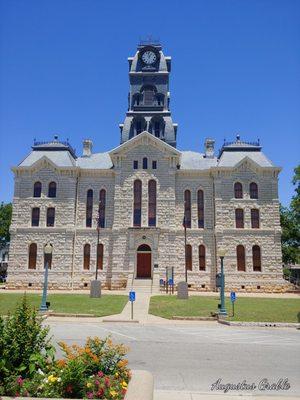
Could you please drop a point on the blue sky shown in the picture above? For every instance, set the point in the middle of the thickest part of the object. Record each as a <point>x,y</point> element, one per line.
<point>236,69</point>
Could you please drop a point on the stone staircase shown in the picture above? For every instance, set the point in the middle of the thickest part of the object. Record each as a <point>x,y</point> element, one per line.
<point>150,286</point>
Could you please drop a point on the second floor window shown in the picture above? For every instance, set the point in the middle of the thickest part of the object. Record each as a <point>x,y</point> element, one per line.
<point>137,203</point>
<point>239,218</point>
<point>240,256</point>
<point>37,189</point>
<point>200,201</point>
<point>35,216</point>
<point>254,218</point>
<point>102,206</point>
<point>89,208</point>
<point>154,164</point>
<point>135,164</point>
<point>152,203</point>
<point>238,190</point>
<point>188,257</point>
<point>52,189</point>
<point>187,209</point>
<point>50,216</point>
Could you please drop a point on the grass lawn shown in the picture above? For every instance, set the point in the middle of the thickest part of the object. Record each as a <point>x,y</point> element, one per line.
<point>246,308</point>
<point>70,303</point>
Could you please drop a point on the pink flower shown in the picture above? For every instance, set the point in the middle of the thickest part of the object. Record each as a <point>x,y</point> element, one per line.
<point>100,392</point>
<point>90,395</point>
<point>107,382</point>
<point>97,383</point>
<point>100,373</point>
<point>20,381</point>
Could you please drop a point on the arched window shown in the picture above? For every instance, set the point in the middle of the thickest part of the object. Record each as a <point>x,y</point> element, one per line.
<point>157,126</point>
<point>138,125</point>
<point>37,189</point>
<point>144,247</point>
<point>240,256</point>
<point>86,256</point>
<point>100,256</point>
<point>32,256</point>
<point>200,202</point>
<point>254,218</point>
<point>256,258</point>
<point>238,190</point>
<point>52,189</point>
<point>253,190</point>
<point>35,216</point>
<point>239,218</point>
<point>160,99</point>
<point>187,209</point>
<point>137,203</point>
<point>152,203</point>
<point>189,259</point>
<point>145,163</point>
<point>202,261</point>
<point>48,260</point>
<point>50,216</point>
<point>102,206</point>
<point>89,208</point>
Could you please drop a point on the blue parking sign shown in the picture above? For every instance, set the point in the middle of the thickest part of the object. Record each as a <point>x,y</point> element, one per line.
<point>131,296</point>
<point>232,297</point>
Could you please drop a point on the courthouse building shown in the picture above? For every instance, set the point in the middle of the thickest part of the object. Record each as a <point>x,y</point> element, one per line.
<point>138,195</point>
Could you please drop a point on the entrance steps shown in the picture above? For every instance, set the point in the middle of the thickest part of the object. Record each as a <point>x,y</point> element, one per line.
<point>142,286</point>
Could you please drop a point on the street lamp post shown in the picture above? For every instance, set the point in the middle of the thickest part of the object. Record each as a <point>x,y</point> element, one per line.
<point>95,291</point>
<point>47,253</point>
<point>222,310</point>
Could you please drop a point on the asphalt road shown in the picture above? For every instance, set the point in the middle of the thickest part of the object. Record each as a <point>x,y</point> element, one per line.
<point>191,357</point>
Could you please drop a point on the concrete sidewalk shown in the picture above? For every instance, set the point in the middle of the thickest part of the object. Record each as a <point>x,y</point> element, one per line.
<point>176,395</point>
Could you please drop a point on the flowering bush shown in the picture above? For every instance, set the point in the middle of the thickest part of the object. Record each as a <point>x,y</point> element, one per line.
<point>96,371</point>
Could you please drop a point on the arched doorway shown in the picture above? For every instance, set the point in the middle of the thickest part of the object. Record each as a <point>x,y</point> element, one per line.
<point>143,263</point>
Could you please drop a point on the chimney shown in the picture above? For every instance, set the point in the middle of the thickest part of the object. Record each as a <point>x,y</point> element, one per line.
<point>209,148</point>
<point>87,148</point>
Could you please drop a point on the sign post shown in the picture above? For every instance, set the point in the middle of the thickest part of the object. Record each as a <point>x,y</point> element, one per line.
<point>131,299</point>
<point>232,298</point>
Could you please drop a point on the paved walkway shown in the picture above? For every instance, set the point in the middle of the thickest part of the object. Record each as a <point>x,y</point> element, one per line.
<point>175,395</point>
<point>140,311</point>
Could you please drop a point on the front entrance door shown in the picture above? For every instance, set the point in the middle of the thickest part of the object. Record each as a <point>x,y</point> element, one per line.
<point>143,269</point>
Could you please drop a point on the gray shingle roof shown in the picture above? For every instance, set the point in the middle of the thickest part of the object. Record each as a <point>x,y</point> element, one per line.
<point>59,158</point>
<point>230,159</point>
<point>95,161</point>
<point>197,161</point>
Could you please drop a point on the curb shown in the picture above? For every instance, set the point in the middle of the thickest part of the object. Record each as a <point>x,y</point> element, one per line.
<point>261,324</point>
<point>194,318</point>
<point>55,314</point>
<point>135,321</point>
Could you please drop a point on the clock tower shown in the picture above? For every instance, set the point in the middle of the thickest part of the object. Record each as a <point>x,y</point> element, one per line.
<point>149,96</point>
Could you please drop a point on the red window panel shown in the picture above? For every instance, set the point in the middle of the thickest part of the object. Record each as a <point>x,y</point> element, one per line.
<point>137,203</point>
<point>239,218</point>
<point>202,261</point>
<point>241,258</point>
<point>152,203</point>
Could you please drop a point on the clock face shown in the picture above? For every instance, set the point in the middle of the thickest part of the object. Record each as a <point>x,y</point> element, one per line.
<point>149,57</point>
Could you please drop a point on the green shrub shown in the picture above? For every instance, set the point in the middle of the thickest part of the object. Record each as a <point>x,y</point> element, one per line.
<point>24,344</point>
<point>28,368</point>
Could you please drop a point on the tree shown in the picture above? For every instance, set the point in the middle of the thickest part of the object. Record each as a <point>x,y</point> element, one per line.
<point>5,220</point>
<point>290,223</point>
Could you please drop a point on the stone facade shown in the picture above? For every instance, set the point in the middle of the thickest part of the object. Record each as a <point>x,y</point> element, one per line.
<point>174,173</point>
